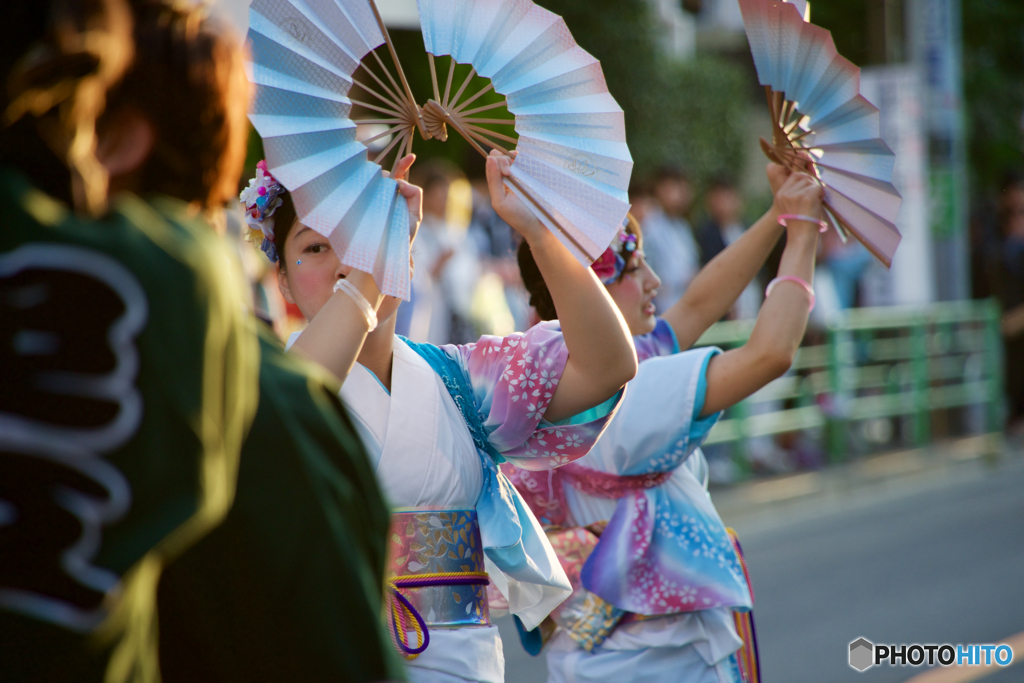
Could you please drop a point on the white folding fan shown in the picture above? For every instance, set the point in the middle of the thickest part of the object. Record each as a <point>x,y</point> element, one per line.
<point>819,115</point>
<point>572,166</point>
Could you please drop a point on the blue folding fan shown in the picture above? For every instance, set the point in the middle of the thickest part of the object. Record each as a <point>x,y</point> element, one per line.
<point>819,115</point>
<point>315,62</point>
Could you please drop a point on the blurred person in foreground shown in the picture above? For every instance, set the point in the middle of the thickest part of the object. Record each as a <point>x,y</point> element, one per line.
<point>129,368</point>
<point>289,586</point>
<point>671,247</point>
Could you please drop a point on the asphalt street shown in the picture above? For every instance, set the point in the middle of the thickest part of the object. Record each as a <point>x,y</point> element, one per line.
<point>931,559</point>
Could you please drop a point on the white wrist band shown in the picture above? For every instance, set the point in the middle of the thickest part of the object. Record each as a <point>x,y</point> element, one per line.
<point>361,302</point>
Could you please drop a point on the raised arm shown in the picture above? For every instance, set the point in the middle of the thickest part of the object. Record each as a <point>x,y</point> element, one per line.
<point>738,373</point>
<point>601,355</point>
<point>334,336</point>
<point>714,290</point>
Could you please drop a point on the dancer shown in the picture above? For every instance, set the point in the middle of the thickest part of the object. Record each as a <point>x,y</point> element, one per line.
<point>655,574</point>
<point>438,420</point>
<point>129,369</point>
<point>289,586</point>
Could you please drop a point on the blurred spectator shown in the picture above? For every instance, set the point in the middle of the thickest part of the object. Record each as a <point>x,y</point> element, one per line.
<point>987,235</point>
<point>500,304</point>
<point>642,201</point>
<point>723,227</point>
<point>447,261</point>
<point>1006,265</point>
<point>668,237</point>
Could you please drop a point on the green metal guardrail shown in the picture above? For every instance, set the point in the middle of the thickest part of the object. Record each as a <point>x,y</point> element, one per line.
<point>875,363</point>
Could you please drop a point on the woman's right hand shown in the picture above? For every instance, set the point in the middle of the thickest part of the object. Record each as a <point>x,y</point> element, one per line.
<point>800,194</point>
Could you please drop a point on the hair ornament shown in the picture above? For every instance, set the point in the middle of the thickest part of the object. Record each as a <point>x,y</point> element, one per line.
<point>612,262</point>
<point>261,199</point>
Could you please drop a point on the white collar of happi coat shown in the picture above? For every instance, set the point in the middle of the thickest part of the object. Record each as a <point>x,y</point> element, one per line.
<point>426,453</point>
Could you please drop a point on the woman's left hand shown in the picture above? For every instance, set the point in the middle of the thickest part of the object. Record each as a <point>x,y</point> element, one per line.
<point>413,194</point>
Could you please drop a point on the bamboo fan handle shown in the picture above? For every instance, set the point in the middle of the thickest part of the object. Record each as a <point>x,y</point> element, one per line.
<point>454,122</point>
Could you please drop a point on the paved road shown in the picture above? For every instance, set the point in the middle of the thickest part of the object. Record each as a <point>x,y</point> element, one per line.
<point>930,560</point>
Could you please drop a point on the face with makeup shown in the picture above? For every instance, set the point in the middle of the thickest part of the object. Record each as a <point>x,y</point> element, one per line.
<point>634,292</point>
<point>309,269</point>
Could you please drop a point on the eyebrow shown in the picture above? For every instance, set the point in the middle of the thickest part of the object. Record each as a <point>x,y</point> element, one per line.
<point>303,229</point>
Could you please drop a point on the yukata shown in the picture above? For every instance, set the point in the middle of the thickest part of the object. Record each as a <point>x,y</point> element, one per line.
<point>655,574</point>
<point>453,415</point>
<point>129,373</point>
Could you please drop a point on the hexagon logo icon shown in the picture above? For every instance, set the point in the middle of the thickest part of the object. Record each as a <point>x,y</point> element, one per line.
<point>862,654</point>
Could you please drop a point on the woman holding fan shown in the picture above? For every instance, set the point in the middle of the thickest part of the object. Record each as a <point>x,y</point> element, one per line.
<point>437,421</point>
<point>656,576</point>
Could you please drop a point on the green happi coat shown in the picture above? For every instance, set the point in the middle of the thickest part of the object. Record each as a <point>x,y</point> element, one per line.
<point>289,587</point>
<point>129,382</point>
<point>131,378</point>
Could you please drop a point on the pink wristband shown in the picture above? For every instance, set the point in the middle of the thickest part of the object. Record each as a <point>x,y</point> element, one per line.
<point>790,278</point>
<point>822,225</point>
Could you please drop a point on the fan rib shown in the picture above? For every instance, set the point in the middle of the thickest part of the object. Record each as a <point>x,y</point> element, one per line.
<point>491,133</point>
<point>375,107</point>
<point>391,145</point>
<point>448,84</point>
<point>489,87</point>
<point>462,88</point>
<point>398,100</point>
<point>433,77</point>
<point>373,92</point>
<point>486,107</point>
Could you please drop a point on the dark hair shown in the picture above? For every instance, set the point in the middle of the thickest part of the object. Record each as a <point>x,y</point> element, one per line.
<point>189,83</point>
<point>540,297</point>
<point>722,181</point>
<point>58,59</point>
<point>670,172</point>
<point>285,219</point>
<point>434,171</point>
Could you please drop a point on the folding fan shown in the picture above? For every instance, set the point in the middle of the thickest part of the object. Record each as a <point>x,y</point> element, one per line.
<point>822,123</point>
<point>572,166</point>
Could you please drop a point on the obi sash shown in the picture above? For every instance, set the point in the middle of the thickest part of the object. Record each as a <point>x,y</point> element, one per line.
<point>436,575</point>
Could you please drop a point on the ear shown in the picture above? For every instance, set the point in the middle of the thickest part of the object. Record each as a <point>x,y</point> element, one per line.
<point>282,285</point>
<point>125,143</point>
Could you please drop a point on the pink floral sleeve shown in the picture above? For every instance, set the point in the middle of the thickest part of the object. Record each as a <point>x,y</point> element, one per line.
<point>513,379</point>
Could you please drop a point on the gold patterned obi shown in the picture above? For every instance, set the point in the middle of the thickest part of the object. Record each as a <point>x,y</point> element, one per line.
<point>436,575</point>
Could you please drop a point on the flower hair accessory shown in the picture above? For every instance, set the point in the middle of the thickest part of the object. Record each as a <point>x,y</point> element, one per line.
<point>261,199</point>
<point>612,262</point>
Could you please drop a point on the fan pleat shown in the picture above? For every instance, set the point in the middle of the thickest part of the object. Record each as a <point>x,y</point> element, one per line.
<point>275,65</point>
<point>550,45</point>
<point>877,234</point>
<point>324,201</point>
<point>879,195</point>
<point>300,162</point>
<point>838,128</point>
<point>290,18</point>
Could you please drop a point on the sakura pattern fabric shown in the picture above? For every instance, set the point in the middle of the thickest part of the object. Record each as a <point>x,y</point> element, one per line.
<point>665,550</point>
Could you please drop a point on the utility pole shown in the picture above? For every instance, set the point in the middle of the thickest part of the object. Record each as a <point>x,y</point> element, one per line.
<point>936,45</point>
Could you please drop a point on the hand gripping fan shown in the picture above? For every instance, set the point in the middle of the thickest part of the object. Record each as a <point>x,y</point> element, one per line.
<point>820,117</point>
<point>318,74</point>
